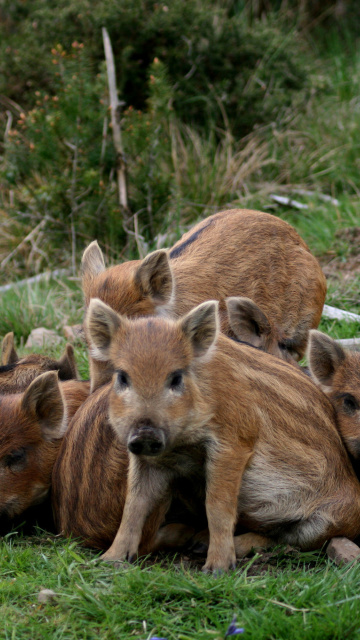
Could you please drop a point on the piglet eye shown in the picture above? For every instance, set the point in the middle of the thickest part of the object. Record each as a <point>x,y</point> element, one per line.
<point>350,403</point>
<point>176,381</point>
<point>16,459</point>
<point>123,380</point>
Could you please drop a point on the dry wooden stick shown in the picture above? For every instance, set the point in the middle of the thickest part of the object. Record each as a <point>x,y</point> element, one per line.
<point>116,129</point>
<point>339,314</point>
<point>27,238</point>
<point>41,276</point>
<point>350,343</point>
<point>8,125</point>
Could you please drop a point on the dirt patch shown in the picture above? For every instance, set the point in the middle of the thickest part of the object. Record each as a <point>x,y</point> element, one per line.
<point>257,565</point>
<point>339,268</point>
<point>347,266</point>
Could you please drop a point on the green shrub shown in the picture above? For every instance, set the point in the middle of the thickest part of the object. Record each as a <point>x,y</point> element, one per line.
<point>216,62</point>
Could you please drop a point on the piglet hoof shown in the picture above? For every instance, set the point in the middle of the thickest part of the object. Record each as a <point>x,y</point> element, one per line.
<point>118,560</point>
<point>218,566</point>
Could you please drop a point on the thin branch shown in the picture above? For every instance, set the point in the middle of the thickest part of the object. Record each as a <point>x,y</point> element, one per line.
<point>38,278</point>
<point>116,129</point>
<point>350,343</point>
<point>8,125</point>
<point>73,201</point>
<point>103,143</point>
<point>339,314</point>
<point>288,202</point>
<point>27,238</point>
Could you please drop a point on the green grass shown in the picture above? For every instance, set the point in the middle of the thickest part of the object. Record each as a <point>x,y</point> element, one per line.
<point>289,596</point>
<point>45,304</point>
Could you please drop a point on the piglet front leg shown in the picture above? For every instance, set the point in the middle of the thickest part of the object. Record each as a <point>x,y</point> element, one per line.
<point>146,494</point>
<point>224,472</point>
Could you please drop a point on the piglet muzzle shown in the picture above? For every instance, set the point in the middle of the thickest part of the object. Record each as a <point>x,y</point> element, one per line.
<point>146,441</point>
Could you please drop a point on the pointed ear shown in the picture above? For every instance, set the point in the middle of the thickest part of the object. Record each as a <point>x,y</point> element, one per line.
<point>247,320</point>
<point>8,352</point>
<point>67,364</point>
<point>324,356</point>
<point>101,323</point>
<point>43,400</point>
<point>201,326</point>
<point>154,277</point>
<point>92,262</point>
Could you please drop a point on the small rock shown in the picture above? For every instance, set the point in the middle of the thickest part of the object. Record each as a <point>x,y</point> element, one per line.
<point>41,337</point>
<point>46,595</point>
<point>342,550</point>
<point>74,332</point>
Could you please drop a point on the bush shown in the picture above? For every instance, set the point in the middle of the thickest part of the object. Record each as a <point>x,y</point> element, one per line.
<point>223,72</point>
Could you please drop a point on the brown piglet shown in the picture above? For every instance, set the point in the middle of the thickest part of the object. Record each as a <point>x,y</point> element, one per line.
<point>17,373</point>
<point>232,253</point>
<point>337,372</point>
<point>33,424</point>
<point>237,425</point>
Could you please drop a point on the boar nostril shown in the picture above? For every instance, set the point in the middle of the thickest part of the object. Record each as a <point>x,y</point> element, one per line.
<point>135,446</point>
<point>155,447</point>
<point>147,443</point>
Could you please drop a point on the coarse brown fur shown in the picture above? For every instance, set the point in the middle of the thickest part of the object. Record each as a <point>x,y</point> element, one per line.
<point>337,372</point>
<point>89,477</point>
<point>232,253</point>
<point>196,409</point>
<point>17,373</point>
<point>33,424</point>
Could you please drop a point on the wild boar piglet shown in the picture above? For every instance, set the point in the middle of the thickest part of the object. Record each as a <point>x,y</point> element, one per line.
<point>33,424</point>
<point>232,253</point>
<point>239,425</point>
<point>337,371</point>
<point>17,373</point>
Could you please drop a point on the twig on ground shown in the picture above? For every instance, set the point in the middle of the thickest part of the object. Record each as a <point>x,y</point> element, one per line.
<point>315,194</point>
<point>350,343</point>
<point>339,314</point>
<point>38,278</point>
<point>288,202</point>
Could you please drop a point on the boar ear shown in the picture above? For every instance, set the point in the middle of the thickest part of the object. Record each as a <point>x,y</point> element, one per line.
<point>154,277</point>
<point>92,262</point>
<point>101,322</point>
<point>67,364</point>
<point>43,400</point>
<point>247,320</point>
<point>324,357</point>
<point>8,353</point>
<point>201,326</point>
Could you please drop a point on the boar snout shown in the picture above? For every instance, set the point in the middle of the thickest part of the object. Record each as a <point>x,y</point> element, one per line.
<point>147,440</point>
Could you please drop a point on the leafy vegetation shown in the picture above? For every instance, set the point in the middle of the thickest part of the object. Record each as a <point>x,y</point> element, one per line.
<point>223,105</point>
